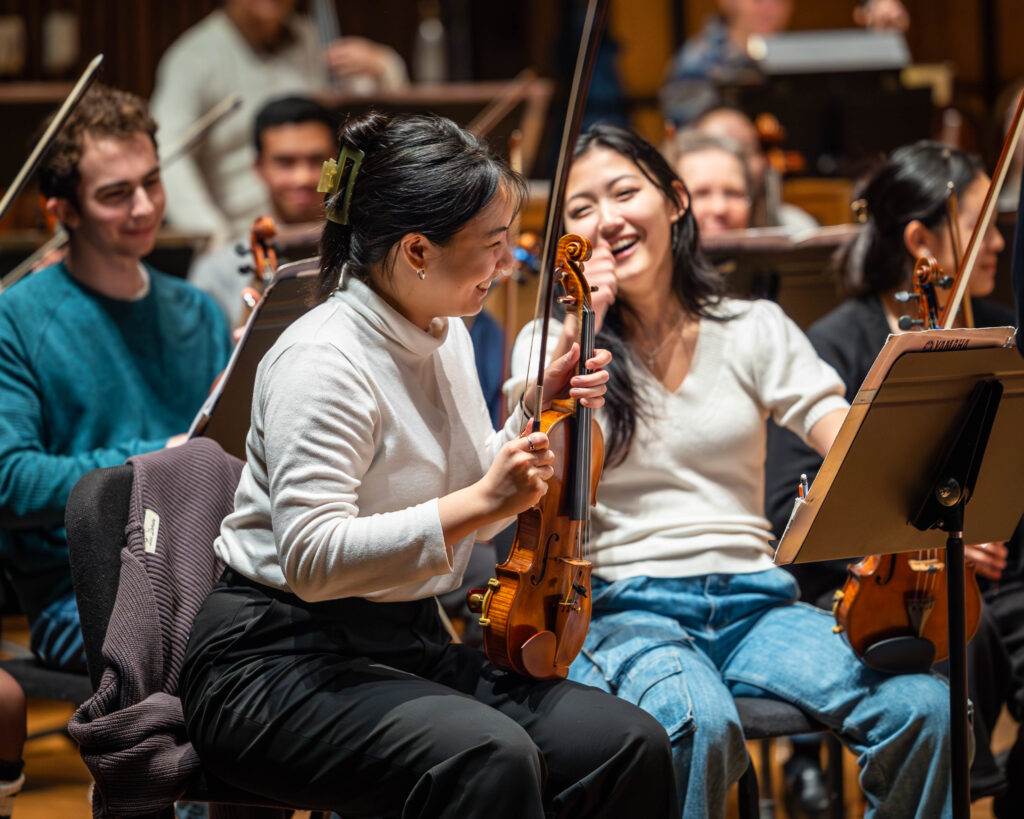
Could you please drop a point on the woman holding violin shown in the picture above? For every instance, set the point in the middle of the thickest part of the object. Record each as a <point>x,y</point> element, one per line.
<point>688,609</point>
<point>905,208</point>
<point>319,665</point>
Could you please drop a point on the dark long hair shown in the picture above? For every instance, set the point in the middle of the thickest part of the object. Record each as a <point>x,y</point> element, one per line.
<point>695,283</point>
<point>420,174</point>
<point>910,185</point>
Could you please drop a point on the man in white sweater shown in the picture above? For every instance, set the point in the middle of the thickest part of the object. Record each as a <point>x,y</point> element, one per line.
<point>260,50</point>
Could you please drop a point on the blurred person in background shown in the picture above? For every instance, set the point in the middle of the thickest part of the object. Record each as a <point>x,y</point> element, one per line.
<point>260,49</point>
<point>292,136</point>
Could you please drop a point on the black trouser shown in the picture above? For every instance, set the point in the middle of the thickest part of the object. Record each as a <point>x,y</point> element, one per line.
<point>367,709</point>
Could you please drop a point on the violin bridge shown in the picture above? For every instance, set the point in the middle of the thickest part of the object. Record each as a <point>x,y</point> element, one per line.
<point>918,610</point>
<point>926,565</point>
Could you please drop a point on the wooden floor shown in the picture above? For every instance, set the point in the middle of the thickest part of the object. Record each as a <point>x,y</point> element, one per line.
<point>57,782</point>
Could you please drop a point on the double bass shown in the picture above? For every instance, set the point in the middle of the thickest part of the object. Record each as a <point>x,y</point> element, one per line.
<point>535,611</point>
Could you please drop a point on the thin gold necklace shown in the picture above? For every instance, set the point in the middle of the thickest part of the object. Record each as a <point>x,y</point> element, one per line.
<point>650,356</point>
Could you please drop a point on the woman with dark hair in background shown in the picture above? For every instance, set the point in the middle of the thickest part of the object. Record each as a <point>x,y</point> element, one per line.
<point>904,206</point>
<point>318,667</point>
<point>688,608</point>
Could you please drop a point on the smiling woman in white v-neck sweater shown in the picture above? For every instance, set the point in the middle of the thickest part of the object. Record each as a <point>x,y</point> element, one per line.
<point>318,670</point>
<point>688,608</point>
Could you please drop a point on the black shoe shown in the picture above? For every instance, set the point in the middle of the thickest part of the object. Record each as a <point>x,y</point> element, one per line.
<point>806,788</point>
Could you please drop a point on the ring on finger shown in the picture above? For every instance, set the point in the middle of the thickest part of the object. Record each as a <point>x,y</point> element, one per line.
<point>529,442</point>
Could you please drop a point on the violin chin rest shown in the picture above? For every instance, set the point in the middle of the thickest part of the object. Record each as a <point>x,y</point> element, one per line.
<point>901,655</point>
<point>538,656</point>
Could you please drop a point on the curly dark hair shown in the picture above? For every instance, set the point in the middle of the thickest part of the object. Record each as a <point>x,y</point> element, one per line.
<point>102,112</point>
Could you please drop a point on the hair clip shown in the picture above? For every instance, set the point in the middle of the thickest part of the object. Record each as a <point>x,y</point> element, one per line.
<point>330,180</point>
<point>859,209</point>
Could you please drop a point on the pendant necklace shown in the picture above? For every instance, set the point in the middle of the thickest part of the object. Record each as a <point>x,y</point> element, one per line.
<point>649,357</point>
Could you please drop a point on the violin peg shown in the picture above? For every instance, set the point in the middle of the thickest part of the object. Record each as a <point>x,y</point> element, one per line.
<point>907,323</point>
<point>903,296</point>
<point>946,282</point>
<point>566,299</point>
<point>594,288</point>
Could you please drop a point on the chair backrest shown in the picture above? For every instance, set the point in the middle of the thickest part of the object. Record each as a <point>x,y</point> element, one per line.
<point>191,488</point>
<point>96,517</point>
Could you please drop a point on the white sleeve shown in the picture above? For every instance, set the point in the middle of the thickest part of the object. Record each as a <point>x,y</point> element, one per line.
<point>523,363</point>
<point>176,104</point>
<point>320,423</point>
<point>793,383</point>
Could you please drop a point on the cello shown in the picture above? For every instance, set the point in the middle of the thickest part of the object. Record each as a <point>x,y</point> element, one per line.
<point>535,611</point>
<point>903,596</point>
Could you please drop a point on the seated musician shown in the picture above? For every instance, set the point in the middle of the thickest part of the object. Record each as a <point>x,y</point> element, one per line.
<point>688,608</point>
<point>292,137</point>
<point>259,49</point>
<point>318,665</point>
<point>904,205</point>
<point>101,356</point>
<point>717,176</point>
<point>766,206</point>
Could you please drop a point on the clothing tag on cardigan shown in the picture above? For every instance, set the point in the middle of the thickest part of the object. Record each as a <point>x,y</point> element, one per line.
<point>150,529</point>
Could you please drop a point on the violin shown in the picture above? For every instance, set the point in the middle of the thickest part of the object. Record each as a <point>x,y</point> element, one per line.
<point>772,134</point>
<point>264,264</point>
<point>536,611</point>
<point>902,597</point>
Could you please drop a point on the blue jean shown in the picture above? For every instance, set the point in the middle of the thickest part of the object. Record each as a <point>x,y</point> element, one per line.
<point>56,636</point>
<point>682,648</point>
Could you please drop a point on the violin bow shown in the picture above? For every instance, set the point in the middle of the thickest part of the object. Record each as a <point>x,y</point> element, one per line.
<point>593,26</point>
<point>1017,265</point>
<point>963,273</point>
<point>77,92</point>
<point>188,140</point>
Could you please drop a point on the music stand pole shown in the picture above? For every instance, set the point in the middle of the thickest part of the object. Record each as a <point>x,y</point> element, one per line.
<point>943,508</point>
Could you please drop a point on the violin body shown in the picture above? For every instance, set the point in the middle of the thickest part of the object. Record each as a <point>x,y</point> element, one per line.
<point>537,607</point>
<point>902,598</point>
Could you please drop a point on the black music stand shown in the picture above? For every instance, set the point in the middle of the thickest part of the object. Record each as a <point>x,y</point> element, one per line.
<point>225,414</point>
<point>912,452</point>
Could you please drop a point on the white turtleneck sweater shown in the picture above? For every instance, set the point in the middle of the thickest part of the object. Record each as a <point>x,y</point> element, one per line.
<point>689,497</point>
<point>360,422</point>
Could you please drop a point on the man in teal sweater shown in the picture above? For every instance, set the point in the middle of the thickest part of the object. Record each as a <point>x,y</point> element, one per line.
<point>101,357</point>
